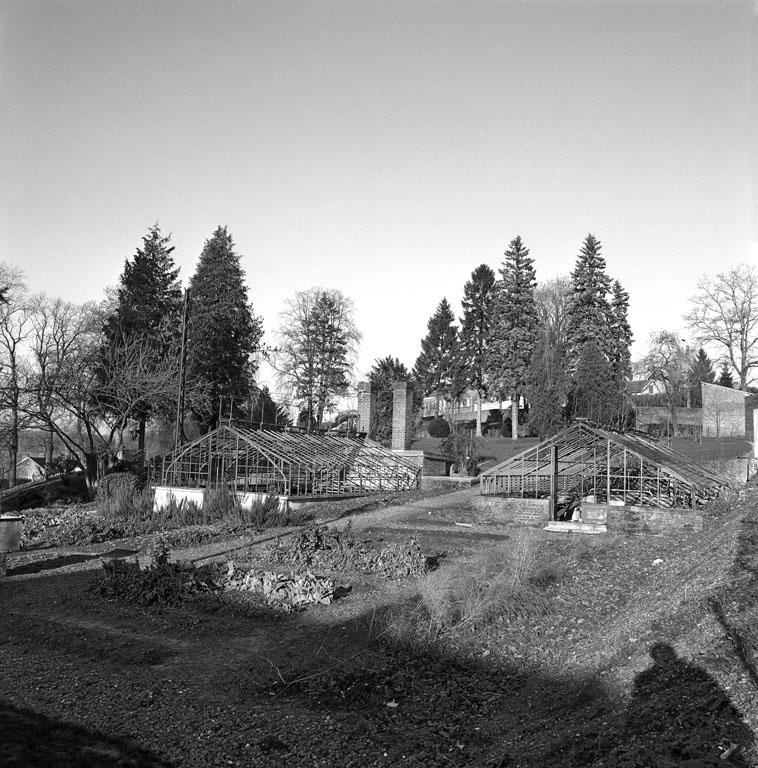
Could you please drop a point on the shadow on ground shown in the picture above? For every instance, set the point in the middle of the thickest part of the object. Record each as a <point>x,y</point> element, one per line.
<point>31,740</point>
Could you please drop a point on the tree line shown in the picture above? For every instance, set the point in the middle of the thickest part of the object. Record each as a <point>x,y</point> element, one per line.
<point>560,348</point>
<point>92,375</point>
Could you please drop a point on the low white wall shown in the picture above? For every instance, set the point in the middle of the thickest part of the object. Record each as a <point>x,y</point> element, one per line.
<point>164,494</point>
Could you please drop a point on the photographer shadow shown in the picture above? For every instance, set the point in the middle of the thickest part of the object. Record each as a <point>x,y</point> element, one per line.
<point>679,715</point>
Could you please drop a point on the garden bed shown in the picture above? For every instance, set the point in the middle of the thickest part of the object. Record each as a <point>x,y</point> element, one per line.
<point>532,650</point>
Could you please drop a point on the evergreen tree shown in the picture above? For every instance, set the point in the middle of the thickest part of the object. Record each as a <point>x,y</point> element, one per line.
<point>478,296</point>
<point>436,370</point>
<point>620,334</point>
<point>264,409</point>
<point>549,381</point>
<point>383,373</point>
<point>701,369</point>
<point>547,388</point>
<point>725,377</point>
<point>594,395</point>
<point>222,334</point>
<point>589,312</point>
<point>514,328</point>
<point>147,317</point>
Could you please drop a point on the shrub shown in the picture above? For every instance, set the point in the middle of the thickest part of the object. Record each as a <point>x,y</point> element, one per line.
<point>438,427</point>
<point>123,506</point>
<point>162,582</point>
<point>115,482</point>
<point>462,446</point>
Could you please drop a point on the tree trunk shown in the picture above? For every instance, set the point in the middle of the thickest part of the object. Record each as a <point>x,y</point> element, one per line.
<point>90,474</point>
<point>514,417</point>
<point>13,447</point>
<point>49,448</point>
<point>479,414</point>
<point>141,443</point>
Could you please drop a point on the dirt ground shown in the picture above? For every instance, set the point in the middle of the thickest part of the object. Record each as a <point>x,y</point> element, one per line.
<point>87,682</point>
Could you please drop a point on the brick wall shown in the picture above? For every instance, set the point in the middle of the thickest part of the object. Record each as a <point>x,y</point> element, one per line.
<point>648,519</point>
<point>436,467</point>
<point>530,512</point>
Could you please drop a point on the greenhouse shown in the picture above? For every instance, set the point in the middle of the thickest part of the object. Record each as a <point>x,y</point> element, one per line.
<point>584,463</point>
<point>287,462</point>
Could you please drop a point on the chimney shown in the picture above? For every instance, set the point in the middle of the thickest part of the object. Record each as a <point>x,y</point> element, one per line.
<point>366,406</point>
<point>402,415</point>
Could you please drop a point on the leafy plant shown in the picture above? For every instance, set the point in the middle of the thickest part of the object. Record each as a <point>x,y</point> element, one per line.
<point>162,582</point>
<point>338,550</point>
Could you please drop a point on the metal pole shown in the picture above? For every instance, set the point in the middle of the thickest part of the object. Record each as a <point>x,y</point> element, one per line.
<point>179,426</point>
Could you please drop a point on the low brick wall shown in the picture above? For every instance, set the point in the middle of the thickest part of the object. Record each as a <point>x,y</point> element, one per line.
<point>530,512</point>
<point>451,483</point>
<point>633,519</point>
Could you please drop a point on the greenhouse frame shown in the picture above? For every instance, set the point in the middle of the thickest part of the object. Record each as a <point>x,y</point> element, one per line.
<point>288,462</point>
<point>597,465</point>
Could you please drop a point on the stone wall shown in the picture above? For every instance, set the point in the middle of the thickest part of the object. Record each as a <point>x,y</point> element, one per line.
<point>723,411</point>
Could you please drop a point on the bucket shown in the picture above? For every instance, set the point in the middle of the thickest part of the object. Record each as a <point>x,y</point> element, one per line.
<point>10,533</point>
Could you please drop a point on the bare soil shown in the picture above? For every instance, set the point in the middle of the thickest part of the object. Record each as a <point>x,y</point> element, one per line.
<point>86,682</point>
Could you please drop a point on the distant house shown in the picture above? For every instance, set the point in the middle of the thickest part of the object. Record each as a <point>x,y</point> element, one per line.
<point>464,408</point>
<point>31,468</point>
<point>636,387</point>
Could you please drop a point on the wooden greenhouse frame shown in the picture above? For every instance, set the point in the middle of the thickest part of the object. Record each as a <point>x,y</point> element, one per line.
<point>606,467</point>
<point>288,462</point>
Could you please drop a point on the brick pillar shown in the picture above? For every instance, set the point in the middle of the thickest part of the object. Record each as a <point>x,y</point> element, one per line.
<point>366,406</point>
<point>402,415</point>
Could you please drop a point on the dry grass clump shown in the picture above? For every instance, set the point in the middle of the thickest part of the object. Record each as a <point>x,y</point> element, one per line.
<point>496,585</point>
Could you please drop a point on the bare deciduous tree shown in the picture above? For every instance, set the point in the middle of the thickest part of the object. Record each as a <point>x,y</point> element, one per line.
<point>667,363</point>
<point>15,327</point>
<point>725,313</point>
<point>83,395</point>
<point>317,345</point>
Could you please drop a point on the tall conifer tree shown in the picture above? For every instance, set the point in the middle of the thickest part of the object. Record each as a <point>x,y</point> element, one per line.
<point>222,335</point>
<point>515,327</point>
<point>701,370</point>
<point>725,376</point>
<point>147,314</point>
<point>436,369</point>
<point>589,311</point>
<point>620,334</point>
<point>478,296</point>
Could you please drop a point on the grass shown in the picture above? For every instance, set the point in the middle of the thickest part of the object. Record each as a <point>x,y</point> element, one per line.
<point>499,584</point>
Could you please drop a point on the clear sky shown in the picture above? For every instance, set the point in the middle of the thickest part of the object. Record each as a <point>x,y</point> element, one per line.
<point>382,148</point>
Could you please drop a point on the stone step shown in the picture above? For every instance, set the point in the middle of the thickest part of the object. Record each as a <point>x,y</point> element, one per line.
<point>575,526</point>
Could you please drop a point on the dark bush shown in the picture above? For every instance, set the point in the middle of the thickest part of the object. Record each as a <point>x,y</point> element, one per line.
<point>438,427</point>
